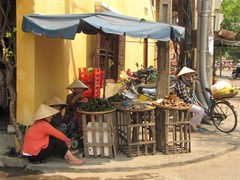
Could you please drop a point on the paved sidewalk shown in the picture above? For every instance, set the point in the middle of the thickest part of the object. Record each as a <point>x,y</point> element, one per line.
<point>205,145</point>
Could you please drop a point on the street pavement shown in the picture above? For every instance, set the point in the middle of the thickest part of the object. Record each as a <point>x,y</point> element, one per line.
<point>204,146</point>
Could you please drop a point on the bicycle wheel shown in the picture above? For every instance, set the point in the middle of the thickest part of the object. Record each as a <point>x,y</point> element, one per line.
<point>224,116</point>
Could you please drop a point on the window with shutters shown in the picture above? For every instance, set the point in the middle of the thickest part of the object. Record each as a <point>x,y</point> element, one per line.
<point>110,54</point>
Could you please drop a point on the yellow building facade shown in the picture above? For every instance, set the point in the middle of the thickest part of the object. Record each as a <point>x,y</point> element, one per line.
<point>46,66</point>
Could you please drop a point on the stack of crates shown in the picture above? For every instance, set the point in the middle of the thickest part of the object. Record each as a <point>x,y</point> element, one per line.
<point>93,79</point>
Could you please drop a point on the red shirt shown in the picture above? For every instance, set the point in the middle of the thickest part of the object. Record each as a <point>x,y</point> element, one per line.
<point>37,137</point>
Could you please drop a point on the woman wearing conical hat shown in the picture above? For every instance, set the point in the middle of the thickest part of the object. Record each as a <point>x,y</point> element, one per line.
<point>71,114</point>
<point>68,128</point>
<point>57,119</point>
<point>42,139</point>
<point>183,89</point>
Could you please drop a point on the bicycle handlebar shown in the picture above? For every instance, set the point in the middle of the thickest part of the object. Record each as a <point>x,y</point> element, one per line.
<point>208,90</point>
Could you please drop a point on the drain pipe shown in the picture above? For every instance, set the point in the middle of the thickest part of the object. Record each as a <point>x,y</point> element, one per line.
<point>199,90</point>
<point>204,52</point>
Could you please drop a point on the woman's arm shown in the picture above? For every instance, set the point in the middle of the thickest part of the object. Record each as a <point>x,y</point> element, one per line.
<point>182,93</point>
<point>50,130</point>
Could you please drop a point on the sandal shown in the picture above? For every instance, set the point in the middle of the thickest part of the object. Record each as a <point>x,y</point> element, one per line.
<point>201,129</point>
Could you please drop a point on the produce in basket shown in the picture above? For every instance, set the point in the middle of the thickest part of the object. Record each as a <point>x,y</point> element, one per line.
<point>117,98</point>
<point>137,106</point>
<point>96,105</point>
<point>172,102</point>
<point>223,88</point>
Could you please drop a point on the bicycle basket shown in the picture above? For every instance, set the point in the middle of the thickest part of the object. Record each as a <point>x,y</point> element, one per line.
<point>225,96</point>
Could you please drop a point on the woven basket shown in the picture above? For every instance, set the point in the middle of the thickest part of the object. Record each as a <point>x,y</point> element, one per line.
<point>169,107</point>
<point>131,110</point>
<point>225,96</point>
<point>98,112</point>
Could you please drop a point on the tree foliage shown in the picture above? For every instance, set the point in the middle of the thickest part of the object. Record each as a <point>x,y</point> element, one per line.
<point>231,11</point>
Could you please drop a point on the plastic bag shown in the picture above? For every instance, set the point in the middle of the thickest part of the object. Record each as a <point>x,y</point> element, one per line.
<point>222,88</point>
<point>111,89</point>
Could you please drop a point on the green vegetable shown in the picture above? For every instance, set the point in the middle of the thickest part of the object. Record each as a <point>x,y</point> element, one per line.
<point>96,105</point>
<point>117,98</point>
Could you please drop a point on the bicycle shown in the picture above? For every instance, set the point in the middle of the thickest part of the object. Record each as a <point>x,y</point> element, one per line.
<point>221,112</point>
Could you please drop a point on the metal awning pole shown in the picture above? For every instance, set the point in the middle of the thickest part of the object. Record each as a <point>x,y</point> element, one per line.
<point>105,69</point>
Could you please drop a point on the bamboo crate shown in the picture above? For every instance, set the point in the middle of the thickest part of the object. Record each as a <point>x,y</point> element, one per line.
<point>173,131</point>
<point>99,133</point>
<point>225,96</point>
<point>136,132</point>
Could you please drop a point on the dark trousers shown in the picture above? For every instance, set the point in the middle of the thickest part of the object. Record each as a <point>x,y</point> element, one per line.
<point>55,147</point>
<point>238,70</point>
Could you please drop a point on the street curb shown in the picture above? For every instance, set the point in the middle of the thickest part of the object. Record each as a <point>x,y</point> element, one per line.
<point>89,169</point>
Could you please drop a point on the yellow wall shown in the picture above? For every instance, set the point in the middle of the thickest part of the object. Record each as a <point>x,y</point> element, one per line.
<point>45,66</point>
<point>134,46</point>
<point>25,65</point>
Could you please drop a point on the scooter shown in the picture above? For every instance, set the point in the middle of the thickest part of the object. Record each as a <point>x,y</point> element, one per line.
<point>129,82</point>
<point>132,84</point>
<point>235,75</point>
<point>142,77</point>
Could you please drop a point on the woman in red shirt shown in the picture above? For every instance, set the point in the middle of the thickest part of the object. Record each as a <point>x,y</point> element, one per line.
<point>42,139</point>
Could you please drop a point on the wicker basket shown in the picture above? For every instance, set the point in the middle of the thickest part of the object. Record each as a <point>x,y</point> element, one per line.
<point>225,96</point>
<point>169,107</point>
<point>97,112</point>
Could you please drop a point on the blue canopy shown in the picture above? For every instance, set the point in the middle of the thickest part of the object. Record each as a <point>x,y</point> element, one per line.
<point>66,26</point>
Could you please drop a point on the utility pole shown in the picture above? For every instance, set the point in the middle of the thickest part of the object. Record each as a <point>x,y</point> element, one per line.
<point>204,13</point>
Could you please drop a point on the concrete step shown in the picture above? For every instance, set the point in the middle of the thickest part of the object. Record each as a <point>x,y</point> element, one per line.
<point>6,141</point>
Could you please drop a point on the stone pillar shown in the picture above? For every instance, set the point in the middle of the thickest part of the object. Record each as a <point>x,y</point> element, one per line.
<point>163,58</point>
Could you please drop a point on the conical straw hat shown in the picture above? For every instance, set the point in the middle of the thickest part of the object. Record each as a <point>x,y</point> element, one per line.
<point>77,84</point>
<point>185,70</point>
<point>56,101</point>
<point>43,112</point>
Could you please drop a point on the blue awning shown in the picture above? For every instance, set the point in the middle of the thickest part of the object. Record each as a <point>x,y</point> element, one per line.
<point>66,26</point>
